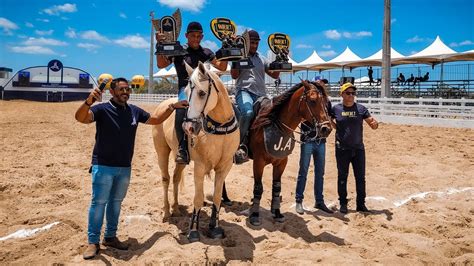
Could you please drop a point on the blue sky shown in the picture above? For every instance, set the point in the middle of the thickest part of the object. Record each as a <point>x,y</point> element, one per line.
<point>113,36</point>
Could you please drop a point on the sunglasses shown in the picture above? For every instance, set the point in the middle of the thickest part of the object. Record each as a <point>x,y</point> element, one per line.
<point>124,89</point>
<point>350,93</point>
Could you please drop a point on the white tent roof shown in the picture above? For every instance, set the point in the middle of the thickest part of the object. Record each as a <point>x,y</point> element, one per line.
<point>435,53</point>
<point>312,60</point>
<point>346,56</point>
<point>462,56</point>
<point>160,73</point>
<point>375,59</point>
<point>171,72</point>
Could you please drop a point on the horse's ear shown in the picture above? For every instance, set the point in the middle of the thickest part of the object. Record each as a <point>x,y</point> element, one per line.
<point>305,84</point>
<point>202,68</point>
<point>189,69</point>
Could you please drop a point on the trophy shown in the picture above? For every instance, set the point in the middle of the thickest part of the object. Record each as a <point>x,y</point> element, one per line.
<point>224,30</point>
<point>170,26</point>
<point>280,45</point>
<point>243,41</point>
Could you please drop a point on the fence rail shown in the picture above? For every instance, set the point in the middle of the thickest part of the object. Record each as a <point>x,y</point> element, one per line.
<point>457,113</point>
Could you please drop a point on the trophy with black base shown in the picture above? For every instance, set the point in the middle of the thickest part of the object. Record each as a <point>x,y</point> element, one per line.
<point>279,43</point>
<point>243,41</point>
<point>224,29</point>
<point>169,26</point>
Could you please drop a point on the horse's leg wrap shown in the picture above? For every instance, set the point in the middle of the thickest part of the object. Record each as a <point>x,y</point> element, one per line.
<point>257,195</point>
<point>194,225</point>
<point>214,222</point>
<point>276,189</point>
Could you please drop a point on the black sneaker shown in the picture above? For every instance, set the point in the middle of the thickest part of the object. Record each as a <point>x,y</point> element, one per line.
<point>114,242</point>
<point>241,156</point>
<point>343,208</point>
<point>323,207</point>
<point>362,208</point>
<point>182,157</point>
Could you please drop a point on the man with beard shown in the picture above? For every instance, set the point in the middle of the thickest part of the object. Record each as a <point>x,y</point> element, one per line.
<point>116,127</point>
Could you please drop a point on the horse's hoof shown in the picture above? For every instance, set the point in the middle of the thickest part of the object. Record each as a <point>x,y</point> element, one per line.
<point>166,217</point>
<point>278,217</point>
<point>216,233</point>
<point>227,202</point>
<point>255,219</point>
<point>193,236</point>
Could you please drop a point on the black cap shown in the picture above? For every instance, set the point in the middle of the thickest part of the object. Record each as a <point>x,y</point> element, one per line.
<point>194,26</point>
<point>254,35</point>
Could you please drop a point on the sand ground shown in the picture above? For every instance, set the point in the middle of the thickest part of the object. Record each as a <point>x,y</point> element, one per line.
<point>419,183</point>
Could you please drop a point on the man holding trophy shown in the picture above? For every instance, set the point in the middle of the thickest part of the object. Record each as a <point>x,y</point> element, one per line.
<point>250,85</point>
<point>193,54</point>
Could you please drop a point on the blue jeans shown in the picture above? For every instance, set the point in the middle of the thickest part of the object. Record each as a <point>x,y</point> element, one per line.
<point>109,187</point>
<point>318,150</point>
<point>245,102</point>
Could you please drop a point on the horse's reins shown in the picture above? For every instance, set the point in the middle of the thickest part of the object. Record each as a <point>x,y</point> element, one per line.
<point>192,86</point>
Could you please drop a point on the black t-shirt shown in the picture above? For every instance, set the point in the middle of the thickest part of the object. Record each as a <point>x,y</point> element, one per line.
<point>193,57</point>
<point>349,125</point>
<point>116,127</point>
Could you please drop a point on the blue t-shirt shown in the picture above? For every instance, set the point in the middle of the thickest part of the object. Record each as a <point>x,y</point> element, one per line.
<point>116,127</point>
<point>349,125</point>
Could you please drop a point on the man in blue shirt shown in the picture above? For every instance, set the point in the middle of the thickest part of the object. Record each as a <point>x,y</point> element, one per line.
<point>349,117</point>
<point>250,85</point>
<point>116,126</point>
<point>195,54</point>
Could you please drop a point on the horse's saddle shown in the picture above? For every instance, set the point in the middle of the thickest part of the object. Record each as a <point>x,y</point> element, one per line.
<point>278,143</point>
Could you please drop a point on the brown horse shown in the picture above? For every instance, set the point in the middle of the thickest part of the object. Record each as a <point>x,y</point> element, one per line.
<point>304,101</point>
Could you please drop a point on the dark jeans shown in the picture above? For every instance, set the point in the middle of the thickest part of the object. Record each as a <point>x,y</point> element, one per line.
<point>318,150</point>
<point>344,157</point>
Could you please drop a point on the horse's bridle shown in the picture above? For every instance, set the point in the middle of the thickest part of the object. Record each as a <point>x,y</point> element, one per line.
<point>192,86</point>
<point>316,124</point>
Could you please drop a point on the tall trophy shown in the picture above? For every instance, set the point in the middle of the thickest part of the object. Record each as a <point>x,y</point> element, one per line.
<point>279,43</point>
<point>243,41</point>
<point>224,29</point>
<point>170,26</point>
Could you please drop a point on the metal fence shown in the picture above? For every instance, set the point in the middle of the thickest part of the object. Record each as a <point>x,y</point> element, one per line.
<point>457,113</point>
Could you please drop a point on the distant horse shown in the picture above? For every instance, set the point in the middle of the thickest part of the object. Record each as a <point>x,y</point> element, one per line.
<point>271,137</point>
<point>212,127</point>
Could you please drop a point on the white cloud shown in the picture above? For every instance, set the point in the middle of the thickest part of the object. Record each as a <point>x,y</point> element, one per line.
<point>32,41</point>
<point>332,34</point>
<point>303,46</point>
<point>466,42</point>
<point>45,20</point>
<point>362,34</point>
<point>7,26</point>
<point>210,44</point>
<point>463,43</point>
<point>326,46</point>
<point>191,5</point>
<point>44,32</point>
<point>393,20</point>
<point>93,35</point>
<point>336,35</point>
<point>56,10</point>
<point>122,15</point>
<point>71,33</point>
<point>88,46</point>
<point>133,41</point>
<point>328,53</point>
<point>29,25</point>
<point>415,39</point>
<point>242,28</point>
<point>32,50</point>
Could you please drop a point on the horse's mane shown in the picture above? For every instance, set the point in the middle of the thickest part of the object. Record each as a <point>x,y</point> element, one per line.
<point>268,115</point>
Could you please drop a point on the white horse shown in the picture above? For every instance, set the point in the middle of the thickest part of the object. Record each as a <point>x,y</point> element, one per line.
<point>214,135</point>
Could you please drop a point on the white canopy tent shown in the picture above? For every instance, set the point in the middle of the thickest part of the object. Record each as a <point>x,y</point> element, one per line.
<point>161,73</point>
<point>341,60</point>
<point>435,53</point>
<point>312,60</point>
<point>375,59</point>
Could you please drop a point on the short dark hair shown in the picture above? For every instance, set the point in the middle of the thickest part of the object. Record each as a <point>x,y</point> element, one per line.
<point>114,82</point>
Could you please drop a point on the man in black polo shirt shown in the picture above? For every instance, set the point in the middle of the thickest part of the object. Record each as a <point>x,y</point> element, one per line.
<point>349,117</point>
<point>195,54</point>
<point>116,126</point>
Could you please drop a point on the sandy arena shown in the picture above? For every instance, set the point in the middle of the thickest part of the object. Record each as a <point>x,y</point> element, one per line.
<point>419,183</point>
